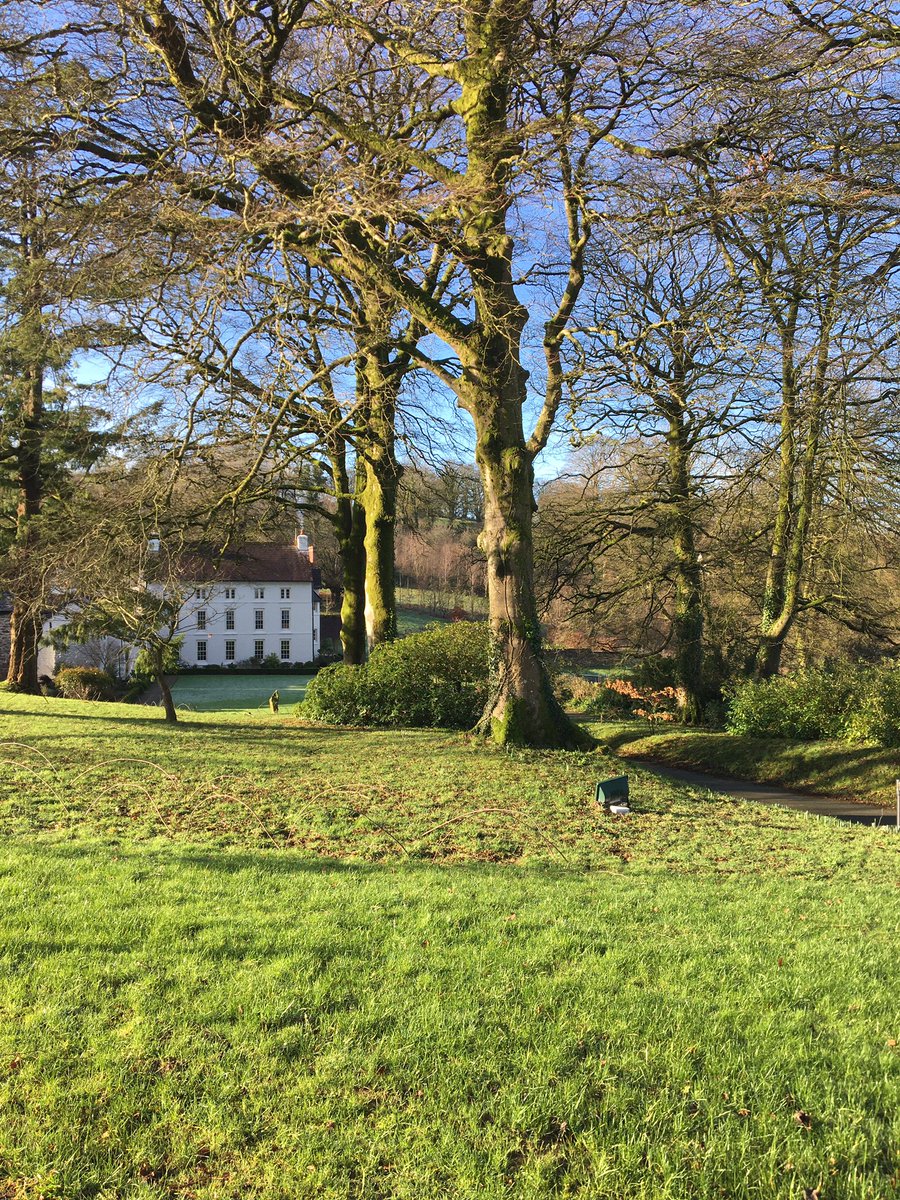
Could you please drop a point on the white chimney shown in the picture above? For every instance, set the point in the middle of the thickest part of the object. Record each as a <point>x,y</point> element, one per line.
<point>303,544</point>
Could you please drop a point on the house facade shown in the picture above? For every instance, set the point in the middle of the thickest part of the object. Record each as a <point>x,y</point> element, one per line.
<point>239,607</point>
<point>247,605</point>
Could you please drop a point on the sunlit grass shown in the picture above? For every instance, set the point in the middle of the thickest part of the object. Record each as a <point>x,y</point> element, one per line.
<point>245,959</point>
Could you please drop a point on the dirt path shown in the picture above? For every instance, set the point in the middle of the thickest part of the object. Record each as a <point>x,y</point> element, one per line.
<point>767,793</point>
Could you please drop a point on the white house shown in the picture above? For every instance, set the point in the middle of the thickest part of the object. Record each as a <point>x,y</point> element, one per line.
<point>251,603</point>
<point>240,606</point>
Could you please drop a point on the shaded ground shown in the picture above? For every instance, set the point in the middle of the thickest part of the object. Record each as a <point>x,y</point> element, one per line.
<point>233,693</point>
<point>764,793</point>
<point>854,774</point>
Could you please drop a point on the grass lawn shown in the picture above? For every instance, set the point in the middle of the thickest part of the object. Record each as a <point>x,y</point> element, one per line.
<point>237,693</point>
<point>243,959</point>
<point>828,768</point>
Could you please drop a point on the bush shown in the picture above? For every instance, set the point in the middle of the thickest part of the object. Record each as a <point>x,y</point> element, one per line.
<point>575,692</point>
<point>854,704</point>
<point>651,704</point>
<point>876,716</point>
<point>438,677</point>
<point>85,683</point>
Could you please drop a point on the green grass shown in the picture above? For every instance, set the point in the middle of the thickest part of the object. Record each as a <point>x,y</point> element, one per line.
<point>826,768</point>
<point>426,597</point>
<point>237,693</point>
<point>284,961</point>
<point>414,620</point>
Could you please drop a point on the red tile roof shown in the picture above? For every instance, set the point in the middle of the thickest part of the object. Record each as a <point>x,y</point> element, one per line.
<point>254,562</point>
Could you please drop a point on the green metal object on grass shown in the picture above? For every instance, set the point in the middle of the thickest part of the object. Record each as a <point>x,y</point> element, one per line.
<point>611,790</point>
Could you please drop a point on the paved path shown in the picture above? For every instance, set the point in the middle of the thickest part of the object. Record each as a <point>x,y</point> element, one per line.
<point>767,793</point>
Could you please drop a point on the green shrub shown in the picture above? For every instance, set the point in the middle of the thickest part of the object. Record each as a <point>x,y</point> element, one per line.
<point>854,704</point>
<point>85,683</point>
<point>438,677</point>
<point>576,693</point>
<point>876,715</point>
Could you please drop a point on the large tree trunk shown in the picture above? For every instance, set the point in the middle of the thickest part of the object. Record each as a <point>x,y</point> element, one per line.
<point>350,527</point>
<point>797,490</point>
<point>380,503</point>
<point>521,708</point>
<point>775,620</point>
<point>24,636</point>
<point>379,382</point>
<point>25,625</point>
<point>353,561</point>
<point>687,620</point>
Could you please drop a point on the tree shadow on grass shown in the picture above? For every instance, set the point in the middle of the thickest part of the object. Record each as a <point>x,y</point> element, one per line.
<point>287,862</point>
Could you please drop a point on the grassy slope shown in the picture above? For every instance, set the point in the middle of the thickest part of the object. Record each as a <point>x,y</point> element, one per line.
<point>291,962</point>
<point>827,768</point>
<point>414,620</point>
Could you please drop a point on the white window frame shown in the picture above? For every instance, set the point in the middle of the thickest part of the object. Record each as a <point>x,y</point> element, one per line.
<point>259,617</point>
<point>259,648</point>
<point>201,618</point>
<point>229,618</point>
<point>201,650</point>
<point>285,593</point>
<point>230,594</point>
<point>230,648</point>
<point>259,593</point>
<point>285,618</point>
<point>285,657</point>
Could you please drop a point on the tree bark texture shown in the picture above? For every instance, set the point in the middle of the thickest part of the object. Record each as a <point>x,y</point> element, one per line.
<point>164,689</point>
<point>802,423</point>
<point>378,385</point>
<point>24,635</point>
<point>351,538</point>
<point>687,621</point>
<point>521,709</point>
<point>25,623</point>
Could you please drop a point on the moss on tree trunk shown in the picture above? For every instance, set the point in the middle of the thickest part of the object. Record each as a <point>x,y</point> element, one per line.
<point>24,635</point>
<point>521,709</point>
<point>687,619</point>
<point>378,384</point>
<point>25,623</point>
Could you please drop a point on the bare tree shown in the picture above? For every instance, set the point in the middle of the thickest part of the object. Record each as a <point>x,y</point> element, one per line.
<point>666,370</point>
<point>350,133</point>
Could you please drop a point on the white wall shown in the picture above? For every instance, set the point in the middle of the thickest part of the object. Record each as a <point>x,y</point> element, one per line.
<point>106,653</point>
<point>302,634</point>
